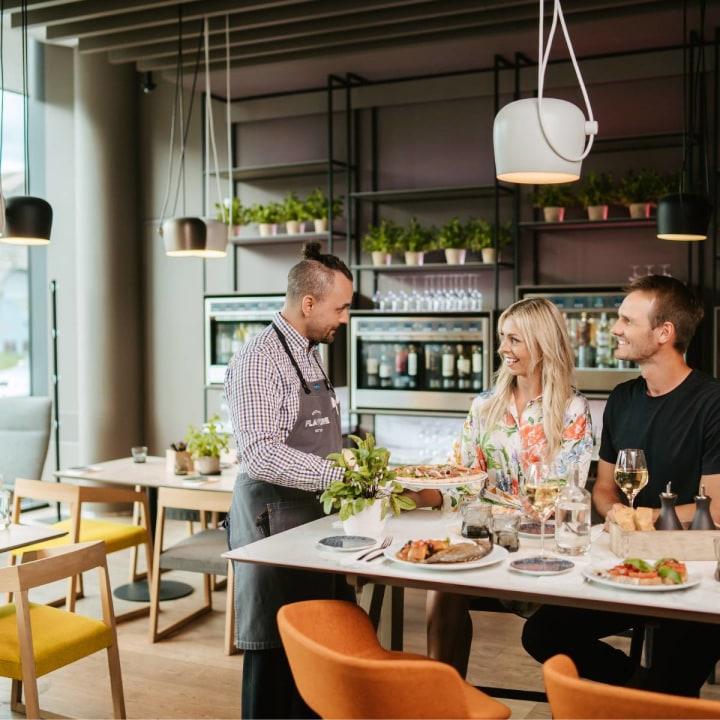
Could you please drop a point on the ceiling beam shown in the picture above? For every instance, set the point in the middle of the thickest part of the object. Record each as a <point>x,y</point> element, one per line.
<point>309,28</point>
<point>349,40</point>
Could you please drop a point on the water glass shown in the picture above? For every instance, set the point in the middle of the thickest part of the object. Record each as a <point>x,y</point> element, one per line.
<point>506,530</point>
<point>139,453</point>
<point>6,503</point>
<point>477,521</point>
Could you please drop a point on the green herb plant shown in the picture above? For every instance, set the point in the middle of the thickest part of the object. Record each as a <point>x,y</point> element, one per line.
<point>555,195</point>
<point>382,238</point>
<point>479,234</point>
<point>208,440</point>
<point>317,205</point>
<point>641,186</point>
<point>597,189</point>
<point>266,214</point>
<point>240,215</point>
<point>452,235</point>
<point>415,238</point>
<point>294,209</point>
<point>367,478</point>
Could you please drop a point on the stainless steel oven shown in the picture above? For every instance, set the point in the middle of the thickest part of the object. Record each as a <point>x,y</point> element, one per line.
<point>418,362</point>
<point>590,312</point>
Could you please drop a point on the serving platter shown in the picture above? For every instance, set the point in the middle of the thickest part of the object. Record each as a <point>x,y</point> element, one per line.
<point>496,555</point>
<point>592,574</point>
<point>411,477</point>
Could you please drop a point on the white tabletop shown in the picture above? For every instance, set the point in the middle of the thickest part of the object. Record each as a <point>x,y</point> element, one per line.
<point>17,536</point>
<point>297,548</point>
<point>152,473</point>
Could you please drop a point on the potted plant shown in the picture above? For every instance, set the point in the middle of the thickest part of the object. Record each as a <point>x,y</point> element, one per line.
<point>205,445</point>
<point>380,241</point>
<point>368,490</point>
<point>317,208</point>
<point>451,238</point>
<point>479,235</point>
<point>234,211</point>
<point>640,190</point>
<point>553,199</point>
<point>596,194</point>
<point>294,214</point>
<point>415,241</point>
<point>267,218</point>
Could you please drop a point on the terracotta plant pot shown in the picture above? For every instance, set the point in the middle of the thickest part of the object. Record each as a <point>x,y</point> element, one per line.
<point>321,225</point>
<point>292,227</point>
<point>455,256</point>
<point>368,522</point>
<point>379,257</point>
<point>640,211</point>
<point>414,258</point>
<point>598,212</point>
<point>488,255</point>
<point>554,214</point>
<point>208,465</point>
<point>267,229</point>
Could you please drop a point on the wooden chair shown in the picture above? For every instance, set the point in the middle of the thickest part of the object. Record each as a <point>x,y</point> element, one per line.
<point>37,639</point>
<point>341,670</point>
<point>573,697</point>
<point>200,552</point>
<point>116,536</point>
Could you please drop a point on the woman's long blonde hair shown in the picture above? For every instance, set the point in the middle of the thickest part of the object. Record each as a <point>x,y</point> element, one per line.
<point>543,330</point>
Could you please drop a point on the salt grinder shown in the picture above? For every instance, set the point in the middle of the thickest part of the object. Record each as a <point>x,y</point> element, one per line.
<point>668,519</point>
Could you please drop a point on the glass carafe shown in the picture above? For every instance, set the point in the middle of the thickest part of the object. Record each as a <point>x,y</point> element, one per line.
<point>572,517</point>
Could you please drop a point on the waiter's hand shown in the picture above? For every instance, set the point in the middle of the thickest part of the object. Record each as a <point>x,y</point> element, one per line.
<point>425,498</point>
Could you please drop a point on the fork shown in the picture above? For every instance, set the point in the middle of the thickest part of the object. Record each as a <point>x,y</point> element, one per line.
<point>384,544</point>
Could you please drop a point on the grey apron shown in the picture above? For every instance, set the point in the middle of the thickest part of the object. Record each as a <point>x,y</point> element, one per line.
<point>261,508</point>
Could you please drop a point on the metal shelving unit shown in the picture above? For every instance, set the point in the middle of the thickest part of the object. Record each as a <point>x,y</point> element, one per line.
<point>609,224</point>
<point>431,267</point>
<point>279,171</point>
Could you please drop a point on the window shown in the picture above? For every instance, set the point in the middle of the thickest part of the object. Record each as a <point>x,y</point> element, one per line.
<point>14,265</point>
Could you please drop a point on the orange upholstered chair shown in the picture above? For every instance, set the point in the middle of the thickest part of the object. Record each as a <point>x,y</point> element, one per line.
<point>342,671</point>
<point>571,696</point>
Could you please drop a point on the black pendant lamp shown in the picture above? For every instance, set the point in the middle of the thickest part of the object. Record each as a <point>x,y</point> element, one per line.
<point>684,216</point>
<point>27,219</point>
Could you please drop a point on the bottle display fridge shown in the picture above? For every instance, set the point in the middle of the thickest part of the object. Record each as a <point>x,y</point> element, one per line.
<point>418,363</point>
<point>590,312</point>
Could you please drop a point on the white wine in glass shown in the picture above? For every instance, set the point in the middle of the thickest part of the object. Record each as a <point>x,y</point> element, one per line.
<point>542,489</point>
<point>631,473</point>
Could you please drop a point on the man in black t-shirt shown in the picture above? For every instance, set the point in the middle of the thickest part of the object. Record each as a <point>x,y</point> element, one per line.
<point>673,413</point>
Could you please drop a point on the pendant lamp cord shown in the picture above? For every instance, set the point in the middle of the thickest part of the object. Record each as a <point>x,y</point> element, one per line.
<point>26,101</point>
<point>210,133</point>
<point>228,108</point>
<point>591,127</point>
<point>702,99</point>
<point>2,110</point>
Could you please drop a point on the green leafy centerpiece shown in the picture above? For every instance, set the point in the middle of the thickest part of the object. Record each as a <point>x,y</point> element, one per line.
<point>368,490</point>
<point>206,444</point>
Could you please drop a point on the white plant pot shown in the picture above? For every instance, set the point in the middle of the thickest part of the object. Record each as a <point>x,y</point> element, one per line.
<point>597,212</point>
<point>554,214</point>
<point>488,255</point>
<point>267,229</point>
<point>381,258</point>
<point>455,256</point>
<point>414,258</point>
<point>304,227</point>
<point>321,225</point>
<point>368,522</point>
<point>639,211</point>
<point>292,227</point>
<point>208,465</point>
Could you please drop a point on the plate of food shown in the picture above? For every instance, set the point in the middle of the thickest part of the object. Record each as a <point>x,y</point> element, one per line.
<point>440,477</point>
<point>644,576</point>
<point>445,555</point>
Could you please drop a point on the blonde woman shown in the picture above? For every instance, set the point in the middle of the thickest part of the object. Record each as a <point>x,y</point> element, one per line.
<point>533,414</point>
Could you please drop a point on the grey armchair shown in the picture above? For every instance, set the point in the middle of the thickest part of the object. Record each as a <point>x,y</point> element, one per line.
<point>24,437</point>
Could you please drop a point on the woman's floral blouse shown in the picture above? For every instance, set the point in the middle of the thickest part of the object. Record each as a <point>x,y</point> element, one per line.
<point>506,449</point>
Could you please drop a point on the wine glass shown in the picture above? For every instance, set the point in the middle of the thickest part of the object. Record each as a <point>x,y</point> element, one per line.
<point>541,488</point>
<point>631,473</point>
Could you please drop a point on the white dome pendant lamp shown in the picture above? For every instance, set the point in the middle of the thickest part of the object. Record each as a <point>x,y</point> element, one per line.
<point>541,141</point>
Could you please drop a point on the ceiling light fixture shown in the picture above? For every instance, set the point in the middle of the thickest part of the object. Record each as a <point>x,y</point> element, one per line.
<point>685,215</point>
<point>541,140</point>
<point>26,220</point>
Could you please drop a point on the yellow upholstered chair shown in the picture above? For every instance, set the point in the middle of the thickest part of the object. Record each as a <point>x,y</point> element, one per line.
<point>200,552</point>
<point>571,696</point>
<point>341,671</point>
<point>116,536</point>
<point>37,639</point>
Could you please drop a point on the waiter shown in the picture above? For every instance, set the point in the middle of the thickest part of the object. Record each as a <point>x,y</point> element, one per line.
<point>286,421</point>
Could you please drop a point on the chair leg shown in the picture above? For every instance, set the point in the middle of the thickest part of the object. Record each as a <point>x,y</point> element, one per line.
<point>116,684</point>
<point>32,701</point>
<point>16,695</point>
<point>207,588</point>
<point>230,648</point>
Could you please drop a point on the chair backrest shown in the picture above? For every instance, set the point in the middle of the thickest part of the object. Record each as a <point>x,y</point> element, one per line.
<point>189,499</point>
<point>24,436</point>
<point>341,670</point>
<point>573,697</point>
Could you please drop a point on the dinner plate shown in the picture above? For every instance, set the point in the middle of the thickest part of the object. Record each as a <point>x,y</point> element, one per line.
<point>347,543</point>
<point>529,566</point>
<point>590,574</point>
<point>496,555</point>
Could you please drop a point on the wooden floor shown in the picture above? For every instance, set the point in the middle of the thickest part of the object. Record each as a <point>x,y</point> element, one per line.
<point>187,675</point>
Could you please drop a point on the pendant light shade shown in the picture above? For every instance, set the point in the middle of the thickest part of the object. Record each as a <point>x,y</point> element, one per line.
<point>216,239</point>
<point>683,216</point>
<point>184,237</point>
<point>28,221</point>
<point>522,151</point>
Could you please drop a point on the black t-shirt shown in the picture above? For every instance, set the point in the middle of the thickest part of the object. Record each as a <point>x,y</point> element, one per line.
<point>679,432</point>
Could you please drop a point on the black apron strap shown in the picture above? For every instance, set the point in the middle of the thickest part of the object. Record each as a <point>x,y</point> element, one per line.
<point>283,342</point>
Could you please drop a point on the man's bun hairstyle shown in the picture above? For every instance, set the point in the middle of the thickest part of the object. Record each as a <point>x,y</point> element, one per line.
<point>311,251</point>
<point>313,275</point>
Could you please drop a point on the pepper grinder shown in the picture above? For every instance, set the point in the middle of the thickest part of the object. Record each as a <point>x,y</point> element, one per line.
<point>702,519</point>
<point>668,519</point>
